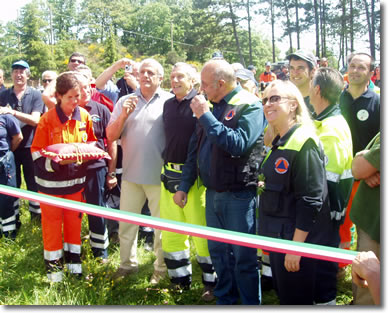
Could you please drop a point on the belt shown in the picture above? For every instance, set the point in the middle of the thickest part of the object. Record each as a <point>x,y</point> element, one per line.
<point>174,166</point>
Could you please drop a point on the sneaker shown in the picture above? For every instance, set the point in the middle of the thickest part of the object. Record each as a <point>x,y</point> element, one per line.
<point>157,277</point>
<point>123,272</point>
<point>207,293</point>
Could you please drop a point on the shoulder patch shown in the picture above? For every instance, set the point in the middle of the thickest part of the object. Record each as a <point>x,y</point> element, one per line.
<point>281,166</point>
<point>230,115</point>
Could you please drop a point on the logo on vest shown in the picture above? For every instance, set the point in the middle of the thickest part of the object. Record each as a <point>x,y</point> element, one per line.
<point>84,137</point>
<point>281,166</point>
<point>362,115</point>
<point>230,115</point>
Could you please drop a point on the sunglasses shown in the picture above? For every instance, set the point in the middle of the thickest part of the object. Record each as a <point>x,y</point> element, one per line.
<point>76,61</point>
<point>274,99</point>
<point>47,80</point>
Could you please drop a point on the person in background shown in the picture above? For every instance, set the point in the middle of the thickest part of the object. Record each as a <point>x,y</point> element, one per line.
<point>334,133</point>
<point>366,273</point>
<point>376,76</point>
<point>252,68</point>
<point>283,75</point>
<point>360,107</point>
<point>25,103</point>
<point>137,119</point>
<point>10,138</point>
<point>365,210</point>
<point>302,68</point>
<point>2,87</point>
<point>247,80</point>
<point>75,60</point>
<point>267,76</point>
<point>294,204</point>
<point>179,125</point>
<point>61,228</point>
<point>99,173</point>
<point>324,62</point>
<point>226,142</point>
<point>48,77</point>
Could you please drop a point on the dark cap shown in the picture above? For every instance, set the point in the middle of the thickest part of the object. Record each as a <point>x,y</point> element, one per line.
<point>268,63</point>
<point>217,55</point>
<point>251,67</point>
<point>245,74</point>
<point>305,55</point>
<point>20,63</point>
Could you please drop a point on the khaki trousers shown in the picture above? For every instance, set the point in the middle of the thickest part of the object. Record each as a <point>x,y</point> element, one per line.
<point>132,199</point>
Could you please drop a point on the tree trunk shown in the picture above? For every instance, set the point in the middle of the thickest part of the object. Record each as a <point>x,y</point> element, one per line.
<point>297,23</point>
<point>249,32</point>
<point>273,30</point>
<point>235,33</point>
<point>351,26</point>
<point>316,26</point>
<point>288,23</point>
<point>370,21</point>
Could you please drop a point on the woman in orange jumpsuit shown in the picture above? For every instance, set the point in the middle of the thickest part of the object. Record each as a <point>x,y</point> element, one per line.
<point>64,123</point>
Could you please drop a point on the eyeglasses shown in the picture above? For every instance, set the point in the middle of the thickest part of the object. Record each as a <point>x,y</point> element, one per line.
<point>274,99</point>
<point>47,80</point>
<point>77,61</point>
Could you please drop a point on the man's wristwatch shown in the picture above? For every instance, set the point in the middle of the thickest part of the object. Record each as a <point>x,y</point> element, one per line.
<point>112,174</point>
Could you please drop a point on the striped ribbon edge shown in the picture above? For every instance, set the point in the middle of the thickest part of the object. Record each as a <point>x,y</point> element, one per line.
<point>232,237</point>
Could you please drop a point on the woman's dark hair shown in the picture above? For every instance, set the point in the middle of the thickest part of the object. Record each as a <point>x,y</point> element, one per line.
<point>65,82</point>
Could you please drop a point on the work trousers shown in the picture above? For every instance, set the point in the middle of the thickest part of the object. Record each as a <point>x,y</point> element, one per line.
<point>58,251</point>
<point>7,211</point>
<point>94,194</point>
<point>236,266</point>
<point>176,246</point>
<point>132,199</point>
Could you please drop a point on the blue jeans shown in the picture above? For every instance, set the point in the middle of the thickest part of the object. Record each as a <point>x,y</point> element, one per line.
<point>236,266</point>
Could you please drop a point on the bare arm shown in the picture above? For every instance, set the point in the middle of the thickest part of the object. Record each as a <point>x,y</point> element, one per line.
<point>291,261</point>
<point>48,95</point>
<point>361,168</point>
<point>16,139</point>
<point>106,75</point>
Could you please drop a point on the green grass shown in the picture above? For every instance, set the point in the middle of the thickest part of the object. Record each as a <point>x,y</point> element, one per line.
<point>23,278</point>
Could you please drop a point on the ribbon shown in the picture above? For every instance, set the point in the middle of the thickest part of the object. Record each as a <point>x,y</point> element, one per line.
<point>227,236</point>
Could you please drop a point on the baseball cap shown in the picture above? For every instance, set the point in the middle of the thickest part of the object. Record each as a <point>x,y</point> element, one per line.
<point>268,63</point>
<point>251,67</point>
<point>245,74</point>
<point>217,54</point>
<point>20,63</point>
<point>305,55</point>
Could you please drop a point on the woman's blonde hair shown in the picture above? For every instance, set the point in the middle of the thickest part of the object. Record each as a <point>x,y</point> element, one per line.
<point>289,90</point>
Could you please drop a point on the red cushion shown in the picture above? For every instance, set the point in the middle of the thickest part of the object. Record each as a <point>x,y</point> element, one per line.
<point>74,151</point>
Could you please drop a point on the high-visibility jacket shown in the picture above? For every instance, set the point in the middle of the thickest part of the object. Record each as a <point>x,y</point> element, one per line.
<point>55,127</point>
<point>335,135</point>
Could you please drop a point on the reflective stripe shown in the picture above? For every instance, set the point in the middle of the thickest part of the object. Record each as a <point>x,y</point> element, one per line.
<point>69,247</point>
<point>266,270</point>
<point>119,170</point>
<point>333,177</point>
<point>180,271</point>
<point>55,277</point>
<point>335,215</point>
<point>347,174</point>
<point>204,259</point>
<point>59,184</point>
<point>178,255</point>
<point>211,278</point>
<point>98,245</point>
<point>98,236</point>
<point>8,220</point>
<point>9,227</point>
<point>52,255</point>
<point>16,203</point>
<point>34,207</point>
<point>47,165</point>
<point>36,155</point>
<point>74,268</point>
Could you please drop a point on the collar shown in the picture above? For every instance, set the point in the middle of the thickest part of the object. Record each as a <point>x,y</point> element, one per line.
<point>329,111</point>
<point>139,94</point>
<point>281,141</point>
<point>369,93</point>
<point>190,95</point>
<point>63,118</point>
<point>26,92</point>
<point>231,94</point>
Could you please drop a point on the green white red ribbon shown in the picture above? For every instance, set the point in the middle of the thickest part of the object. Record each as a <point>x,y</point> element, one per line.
<point>248,240</point>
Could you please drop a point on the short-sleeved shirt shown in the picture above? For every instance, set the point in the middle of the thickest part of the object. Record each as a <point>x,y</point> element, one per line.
<point>363,117</point>
<point>179,125</point>
<point>142,138</point>
<point>100,116</point>
<point>365,211</point>
<point>30,102</point>
<point>9,127</point>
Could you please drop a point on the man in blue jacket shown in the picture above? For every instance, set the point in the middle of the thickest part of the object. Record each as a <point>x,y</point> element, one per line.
<point>225,152</point>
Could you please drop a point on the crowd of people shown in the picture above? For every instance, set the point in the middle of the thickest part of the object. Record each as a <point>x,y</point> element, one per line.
<point>198,153</point>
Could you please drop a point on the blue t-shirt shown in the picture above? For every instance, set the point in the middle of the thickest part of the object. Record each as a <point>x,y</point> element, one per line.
<point>9,126</point>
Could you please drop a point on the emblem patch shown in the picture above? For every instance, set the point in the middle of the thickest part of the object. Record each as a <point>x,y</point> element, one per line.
<point>230,115</point>
<point>84,137</point>
<point>362,115</point>
<point>281,166</point>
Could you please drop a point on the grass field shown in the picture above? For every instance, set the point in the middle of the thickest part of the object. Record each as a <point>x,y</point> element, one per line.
<point>23,278</point>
